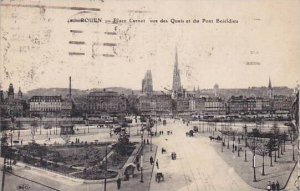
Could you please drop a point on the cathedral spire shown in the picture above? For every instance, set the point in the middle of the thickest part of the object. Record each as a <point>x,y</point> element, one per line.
<point>176,75</point>
<point>270,89</point>
<point>270,84</point>
<point>176,58</point>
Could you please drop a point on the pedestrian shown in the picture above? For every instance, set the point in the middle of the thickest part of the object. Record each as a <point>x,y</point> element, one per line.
<point>269,186</point>
<point>147,141</point>
<point>157,164</point>
<point>273,186</point>
<point>22,142</point>
<point>119,183</point>
<point>144,141</point>
<point>277,185</point>
<point>151,160</point>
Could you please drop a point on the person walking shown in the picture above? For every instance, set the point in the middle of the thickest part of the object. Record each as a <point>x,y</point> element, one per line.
<point>151,160</point>
<point>277,185</point>
<point>273,186</point>
<point>119,183</point>
<point>269,186</point>
<point>157,164</point>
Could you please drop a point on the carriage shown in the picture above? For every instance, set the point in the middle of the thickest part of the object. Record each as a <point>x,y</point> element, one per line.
<point>159,177</point>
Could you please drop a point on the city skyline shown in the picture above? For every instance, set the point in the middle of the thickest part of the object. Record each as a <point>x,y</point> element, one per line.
<point>232,55</point>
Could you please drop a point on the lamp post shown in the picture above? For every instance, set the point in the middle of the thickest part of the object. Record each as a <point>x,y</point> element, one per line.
<point>40,125</point>
<point>293,144</point>
<point>263,162</point>
<point>233,141</point>
<point>150,140</point>
<point>155,122</point>
<point>222,143</point>
<point>254,173</point>
<point>227,139</point>
<point>142,145</point>
<point>56,124</point>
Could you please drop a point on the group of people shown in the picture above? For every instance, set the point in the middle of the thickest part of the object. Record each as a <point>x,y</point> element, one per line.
<point>272,186</point>
<point>77,140</point>
<point>146,141</point>
<point>152,162</point>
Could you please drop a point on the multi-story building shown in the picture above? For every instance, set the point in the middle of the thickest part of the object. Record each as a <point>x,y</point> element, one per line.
<point>163,104</point>
<point>199,105</point>
<point>214,106</point>
<point>45,105</point>
<point>106,102</point>
<point>12,105</point>
<point>158,104</point>
<point>282,103</point>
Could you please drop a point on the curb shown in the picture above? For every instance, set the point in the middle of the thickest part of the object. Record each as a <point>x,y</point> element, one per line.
<point>152,168</point>
<point>289,177</point>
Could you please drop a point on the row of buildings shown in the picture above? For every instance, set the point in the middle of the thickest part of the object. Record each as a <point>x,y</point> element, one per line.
<point>108,102</point>
<point>147,102</point>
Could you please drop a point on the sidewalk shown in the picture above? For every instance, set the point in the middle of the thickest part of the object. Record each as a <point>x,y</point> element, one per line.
<point>135,183</point>
<point>44,181</point>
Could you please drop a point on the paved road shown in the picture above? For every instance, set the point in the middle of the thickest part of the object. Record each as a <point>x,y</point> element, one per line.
<point>197,167</point>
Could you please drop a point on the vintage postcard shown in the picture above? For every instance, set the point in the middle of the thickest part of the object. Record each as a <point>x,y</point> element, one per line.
<point>149,95</point>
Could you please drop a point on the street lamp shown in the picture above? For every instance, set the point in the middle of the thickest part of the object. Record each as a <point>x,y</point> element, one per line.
<point>254,173</point>
<point>142,145</point>
<point>293,144</point>
<point>142,178</point>
<point>150,140</point>
<point>222,143</point>
<point>40,125</point>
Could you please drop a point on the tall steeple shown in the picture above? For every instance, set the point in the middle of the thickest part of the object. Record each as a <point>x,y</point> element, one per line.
<point>147,85</point>
<point>11,93</point>
<point>20,94</point>
<point>176,75</point>
<point>70,86</point>
<point>270,89</point>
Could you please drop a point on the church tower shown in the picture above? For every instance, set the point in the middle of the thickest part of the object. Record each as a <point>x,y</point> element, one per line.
<point>147,84</point>
<point>11,93</point>
<point>270,89</point>
<point>20,94</point>
<point>176,76</point>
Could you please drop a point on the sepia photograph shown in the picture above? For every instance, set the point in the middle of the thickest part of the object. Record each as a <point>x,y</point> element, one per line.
<point>148,95</point>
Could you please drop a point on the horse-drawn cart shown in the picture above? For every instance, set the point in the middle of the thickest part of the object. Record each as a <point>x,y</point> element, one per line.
<point>159,177</point>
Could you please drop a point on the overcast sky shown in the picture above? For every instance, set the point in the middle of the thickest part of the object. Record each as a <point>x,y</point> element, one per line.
<point>35,44</point>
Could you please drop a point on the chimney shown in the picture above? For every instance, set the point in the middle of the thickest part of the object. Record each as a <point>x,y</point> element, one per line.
<point>70,86</point>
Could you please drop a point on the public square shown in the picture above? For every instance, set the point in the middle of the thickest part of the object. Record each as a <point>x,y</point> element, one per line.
<point>197,166</point>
